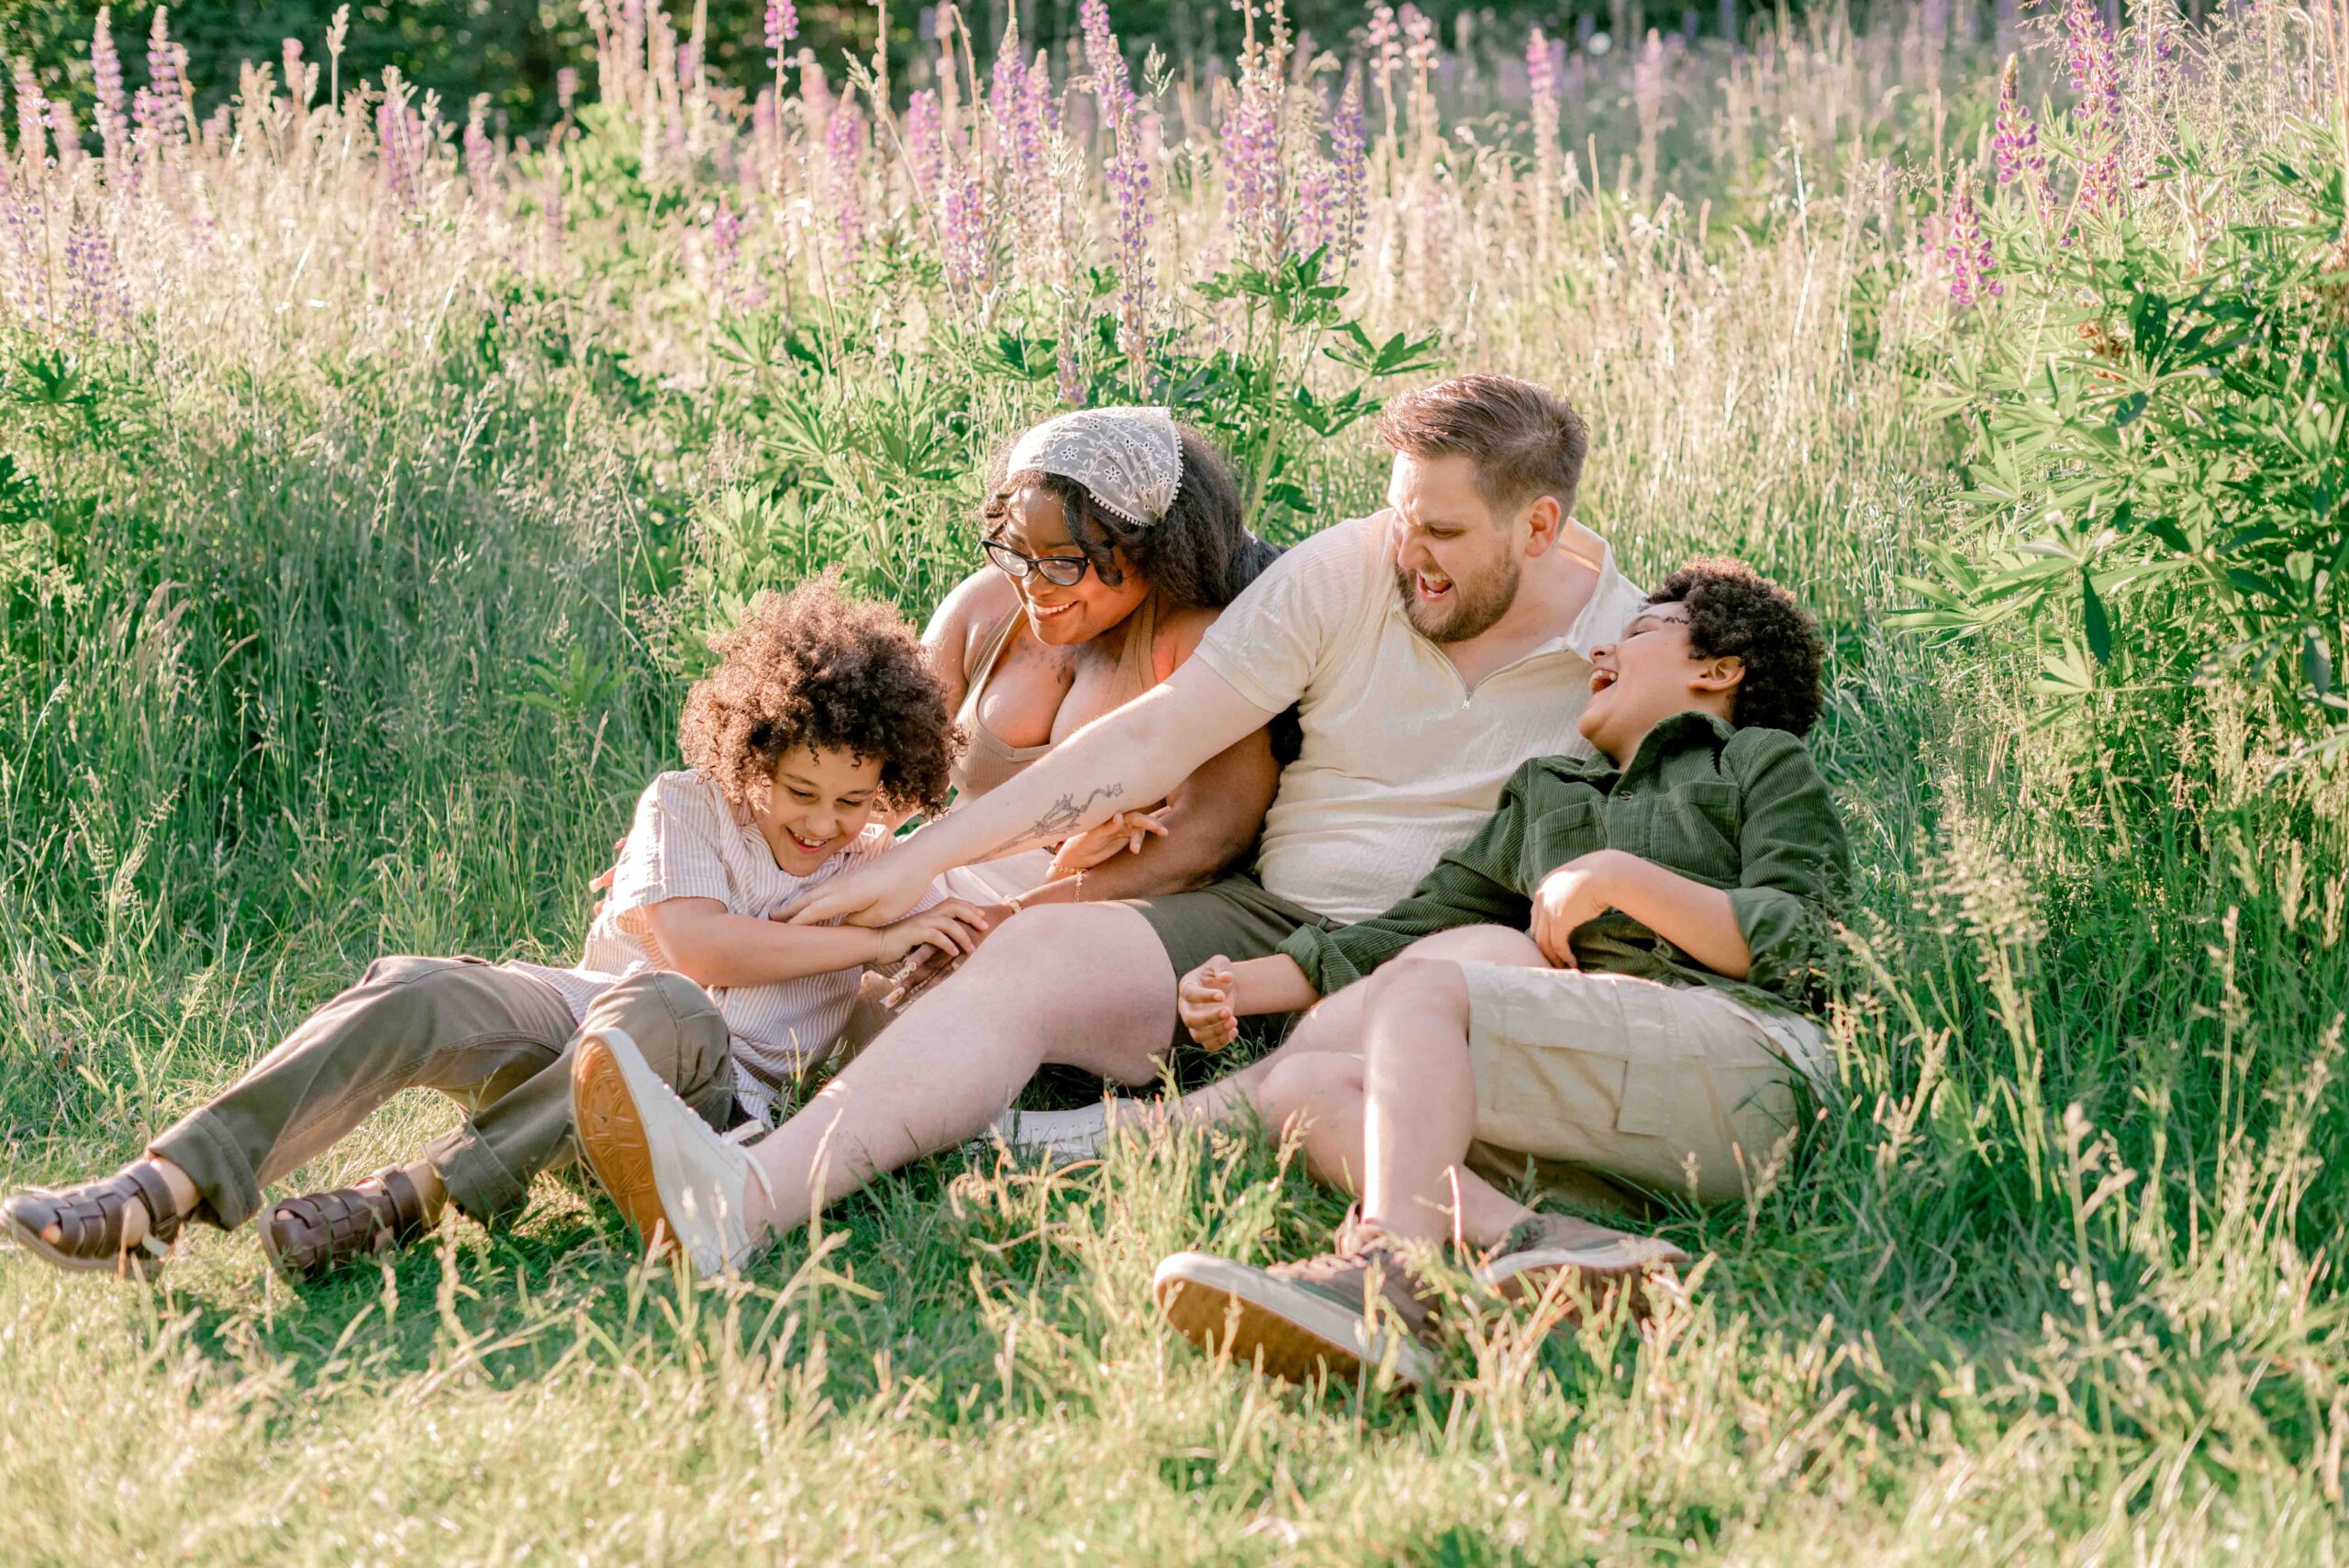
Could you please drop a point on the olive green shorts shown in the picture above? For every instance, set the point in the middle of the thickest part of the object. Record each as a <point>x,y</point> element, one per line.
<point>1234,918</point>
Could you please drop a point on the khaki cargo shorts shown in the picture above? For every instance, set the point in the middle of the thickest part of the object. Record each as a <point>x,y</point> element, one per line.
<point>1667,1089</point>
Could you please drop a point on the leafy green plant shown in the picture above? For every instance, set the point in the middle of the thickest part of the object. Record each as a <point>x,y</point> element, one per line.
<point>2158,464</point>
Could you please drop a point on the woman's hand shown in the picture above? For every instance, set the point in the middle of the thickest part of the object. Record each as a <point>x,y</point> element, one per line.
<point>1203,1001</point>
<point>953,928</point>
<point>1121,833</point>
<point>1576,893</point>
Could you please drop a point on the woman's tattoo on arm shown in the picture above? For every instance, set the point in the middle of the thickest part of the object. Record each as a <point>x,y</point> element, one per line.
<point>1063,817</point>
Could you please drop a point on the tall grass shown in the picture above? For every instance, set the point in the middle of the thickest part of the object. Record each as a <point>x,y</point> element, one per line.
<point>367,488</point>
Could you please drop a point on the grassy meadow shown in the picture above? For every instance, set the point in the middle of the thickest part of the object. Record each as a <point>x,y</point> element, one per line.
<point>368,483</point>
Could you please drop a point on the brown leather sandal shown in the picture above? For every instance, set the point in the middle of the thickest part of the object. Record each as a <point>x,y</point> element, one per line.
<point>308,1236</point>
<point>89,1221</point>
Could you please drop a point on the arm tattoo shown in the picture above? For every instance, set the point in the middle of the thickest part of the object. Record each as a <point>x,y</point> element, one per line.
<point>1063,817</point>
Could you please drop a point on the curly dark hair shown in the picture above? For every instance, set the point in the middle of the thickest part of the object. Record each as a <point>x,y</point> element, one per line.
<point>1200,554</point>
<point>1733,609</point>
<point>818,669</point>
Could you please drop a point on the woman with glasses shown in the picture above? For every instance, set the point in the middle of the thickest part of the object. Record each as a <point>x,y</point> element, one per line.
<point>1112,536</point>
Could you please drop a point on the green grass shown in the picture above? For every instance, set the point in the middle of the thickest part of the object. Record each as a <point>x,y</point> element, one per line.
<point>353,627</point>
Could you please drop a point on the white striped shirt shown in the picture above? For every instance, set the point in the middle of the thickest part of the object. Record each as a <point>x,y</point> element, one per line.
<point>688,841</point>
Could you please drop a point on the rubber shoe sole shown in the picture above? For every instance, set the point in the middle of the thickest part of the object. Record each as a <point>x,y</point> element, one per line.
<point>611,1136</point>
<point>1289,1332</point>
<point>1612,1266</point>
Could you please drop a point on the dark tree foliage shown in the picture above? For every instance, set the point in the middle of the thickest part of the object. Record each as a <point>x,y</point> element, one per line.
<point>510,50</point>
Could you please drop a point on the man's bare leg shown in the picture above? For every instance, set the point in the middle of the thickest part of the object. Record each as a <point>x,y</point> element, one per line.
<point>960,1054</point>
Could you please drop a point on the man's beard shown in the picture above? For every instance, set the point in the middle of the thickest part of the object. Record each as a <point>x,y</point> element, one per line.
<point>1472,611</point>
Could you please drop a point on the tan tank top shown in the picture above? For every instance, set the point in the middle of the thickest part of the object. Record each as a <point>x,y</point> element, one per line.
<point>987,762</point>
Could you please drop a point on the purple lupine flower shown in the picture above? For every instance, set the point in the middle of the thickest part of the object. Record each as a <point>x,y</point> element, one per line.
<point>165,97</point>
<point>844,166</point>
<point>1348,175</point>
<point>2088,54</point>
<point>2016,144</point>
<point>97,294</point>
<point>962,227</point>
<point>214,133</point>
<point>399,137</point>
<point>1127,171</point>
<point>1004,79</point>
<point>106,67</point>
<point>1251,154</point>
<point>1966,247</point>
<point>726,249</point>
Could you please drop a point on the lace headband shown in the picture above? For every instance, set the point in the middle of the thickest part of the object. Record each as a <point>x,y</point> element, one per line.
<point>1129,459</point>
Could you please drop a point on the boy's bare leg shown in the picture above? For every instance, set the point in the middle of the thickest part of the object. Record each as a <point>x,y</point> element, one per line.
<point>1321,1100</point>
<point>1336,1026</point>
<point>959,1054</point>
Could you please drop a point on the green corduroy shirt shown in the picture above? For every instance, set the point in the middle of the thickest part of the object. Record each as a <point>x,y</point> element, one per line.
<point>1744,810</point>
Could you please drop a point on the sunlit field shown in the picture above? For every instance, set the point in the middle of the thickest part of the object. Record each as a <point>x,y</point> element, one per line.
<point>370,483</point>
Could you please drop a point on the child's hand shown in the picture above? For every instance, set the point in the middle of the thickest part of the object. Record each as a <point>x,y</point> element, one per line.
<point>926,966</point>
<point>1572,896</point>
<point>1122,832</point>
<point>952,927</point>
<point>1203,1001</point>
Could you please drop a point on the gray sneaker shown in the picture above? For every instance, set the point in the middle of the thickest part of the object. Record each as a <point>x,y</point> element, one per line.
<point>1355,1308</point>
<point>1063,1138</point>
<point>1545,1245</point>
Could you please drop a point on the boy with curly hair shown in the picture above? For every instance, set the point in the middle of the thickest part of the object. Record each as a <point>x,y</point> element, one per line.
<point>821,726</point>
<point>1609,983</point>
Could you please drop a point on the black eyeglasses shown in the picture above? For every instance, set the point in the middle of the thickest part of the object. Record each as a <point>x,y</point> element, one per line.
<point>1062,571</point>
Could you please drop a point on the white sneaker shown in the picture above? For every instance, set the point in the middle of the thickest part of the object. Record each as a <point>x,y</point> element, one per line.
<point>1058,1135</point>
<point>679,1183</point>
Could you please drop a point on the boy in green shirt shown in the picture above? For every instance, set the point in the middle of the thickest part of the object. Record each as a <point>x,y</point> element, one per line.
<point>1614,974</point>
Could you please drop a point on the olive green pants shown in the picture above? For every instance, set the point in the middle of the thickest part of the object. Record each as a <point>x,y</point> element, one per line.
<point>495,1042</point>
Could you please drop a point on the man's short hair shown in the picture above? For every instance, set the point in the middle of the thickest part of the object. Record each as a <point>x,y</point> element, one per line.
<point>1525,441</point>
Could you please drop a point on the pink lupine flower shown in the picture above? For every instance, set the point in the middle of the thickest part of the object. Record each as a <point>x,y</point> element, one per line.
<point>481,153</point>
<point>105,68</point>
<point>925,141</point>
<point>66,132</point>
<point>160,108</point>
<point>32,115</point>
<point>783,26</point>
<point>566,88</point>
<point>1965,248</point>
<point>1419,33</point>
<point>844,163</point>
